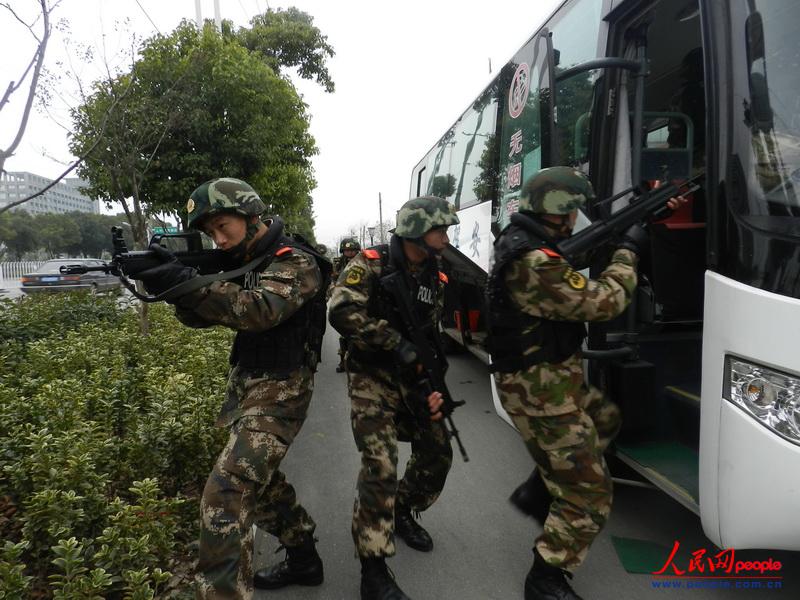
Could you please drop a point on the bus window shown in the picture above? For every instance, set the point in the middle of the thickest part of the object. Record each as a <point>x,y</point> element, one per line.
<point>521,135</point>
<point>421,181</point>
<point>472,141</point>
<point>769,106</point>
<point>440,182</point>
<point>575,34</point>
<point>526,142</point>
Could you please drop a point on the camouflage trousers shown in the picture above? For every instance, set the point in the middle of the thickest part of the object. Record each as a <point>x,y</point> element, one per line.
<point>379,419</point>
<point>566,427</point>
<point>246,486</point>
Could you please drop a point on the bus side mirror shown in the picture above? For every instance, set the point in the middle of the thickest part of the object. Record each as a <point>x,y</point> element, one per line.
<point>754,32</point>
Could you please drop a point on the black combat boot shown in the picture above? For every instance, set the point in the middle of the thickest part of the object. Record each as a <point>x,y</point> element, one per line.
<point>411,532</point>
<point>533,498</point>
<point>377,582</point>
<point>302,566</point>
<point>546,582</point>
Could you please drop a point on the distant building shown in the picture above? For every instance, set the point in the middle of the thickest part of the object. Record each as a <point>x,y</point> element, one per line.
<point>63,197</point>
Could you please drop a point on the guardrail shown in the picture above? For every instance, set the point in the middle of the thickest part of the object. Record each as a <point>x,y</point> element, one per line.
<point>10,272</point>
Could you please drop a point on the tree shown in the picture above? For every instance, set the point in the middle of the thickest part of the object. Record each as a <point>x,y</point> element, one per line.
<point>289,39</point>
<point>300,219</point>
<point>202,106</point>
<point>199,105</point>
<point>57,233</point>
<point>95,234</point>
<point>130,138</point>
<point>18,234</point>
<point>36,63</point>
<point>238,119</point>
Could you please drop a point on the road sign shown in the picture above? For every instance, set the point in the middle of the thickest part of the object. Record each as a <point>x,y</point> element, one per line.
<point>163,230</point>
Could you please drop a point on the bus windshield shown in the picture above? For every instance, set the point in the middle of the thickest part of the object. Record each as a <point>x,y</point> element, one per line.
<point>768,83</point>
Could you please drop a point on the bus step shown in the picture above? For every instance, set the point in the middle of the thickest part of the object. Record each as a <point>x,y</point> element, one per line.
<point>669,465</point>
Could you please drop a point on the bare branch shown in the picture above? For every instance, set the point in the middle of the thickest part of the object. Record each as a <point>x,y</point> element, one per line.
<point>18,18</point>
<point>86,154</point>
<point>4,154</point>
<point>11,205</point>
<point>13,88</point>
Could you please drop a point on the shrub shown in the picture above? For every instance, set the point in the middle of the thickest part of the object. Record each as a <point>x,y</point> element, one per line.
<point>106,438</point>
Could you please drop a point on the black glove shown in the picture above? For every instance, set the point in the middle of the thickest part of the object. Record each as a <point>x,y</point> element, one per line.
<point>167,275</point>
<point>635,239</point>
<point>405,353</point>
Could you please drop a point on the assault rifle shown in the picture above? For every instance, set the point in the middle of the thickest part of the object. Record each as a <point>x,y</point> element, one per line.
<point>211,265</point>
<point>644,206</point>
<point>428,375</point>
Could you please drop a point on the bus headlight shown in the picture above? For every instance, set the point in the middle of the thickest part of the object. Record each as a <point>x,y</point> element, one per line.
<point>769,396</point>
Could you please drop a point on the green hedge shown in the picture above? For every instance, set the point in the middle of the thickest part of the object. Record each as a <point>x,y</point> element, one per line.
<point>106,439</point>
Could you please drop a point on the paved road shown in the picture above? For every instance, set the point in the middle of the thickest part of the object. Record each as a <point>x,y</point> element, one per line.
<point>482,546</point>
<point>10,288</point>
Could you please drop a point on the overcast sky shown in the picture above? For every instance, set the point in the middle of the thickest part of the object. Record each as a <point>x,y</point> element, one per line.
<point>404,72</point>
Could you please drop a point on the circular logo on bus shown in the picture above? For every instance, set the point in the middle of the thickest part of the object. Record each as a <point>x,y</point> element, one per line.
<point>518,94</point>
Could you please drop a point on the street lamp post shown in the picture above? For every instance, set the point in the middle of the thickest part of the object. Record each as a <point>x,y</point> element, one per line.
<point>371,231</point>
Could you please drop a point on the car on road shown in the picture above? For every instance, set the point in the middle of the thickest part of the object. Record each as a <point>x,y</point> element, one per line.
<point>49,278</point>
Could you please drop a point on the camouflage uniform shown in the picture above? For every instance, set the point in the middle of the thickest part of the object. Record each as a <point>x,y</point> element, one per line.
<point>264,411</point>
<point>566,425</point>
<point>379,413</point>
<point>339,263</point>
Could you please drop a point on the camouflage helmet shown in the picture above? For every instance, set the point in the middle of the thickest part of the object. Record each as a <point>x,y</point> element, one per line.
<point>555,191</point>
<point>225,194</point>
<point>322,249</point>
<point>349,244</point>
<point>418,216</point>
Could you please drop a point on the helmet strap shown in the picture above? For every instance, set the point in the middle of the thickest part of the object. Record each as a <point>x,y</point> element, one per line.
<point>420,242</point>
<point>239,251</point>
<point>560,229</point>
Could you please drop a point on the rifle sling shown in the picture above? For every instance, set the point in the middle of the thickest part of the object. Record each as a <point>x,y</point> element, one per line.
<point>195,283</point>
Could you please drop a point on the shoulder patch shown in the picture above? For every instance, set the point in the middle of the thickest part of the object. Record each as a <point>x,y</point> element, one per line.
<point>372,254</point>
<point>574,279</point>
<point>284,250</point>
<point>354,275</point>
<point>443,278</point>
<point>550,253</point>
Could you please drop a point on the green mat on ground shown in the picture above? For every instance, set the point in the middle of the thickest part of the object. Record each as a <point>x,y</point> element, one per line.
<point>640,556</point>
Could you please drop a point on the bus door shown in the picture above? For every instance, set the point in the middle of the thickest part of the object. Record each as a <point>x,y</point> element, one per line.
<point>750,427</point>
<point>719,298</point>
<point>650,127</point>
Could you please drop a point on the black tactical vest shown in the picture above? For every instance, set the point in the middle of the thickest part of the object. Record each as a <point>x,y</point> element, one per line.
<point>512,332</point>
<point>423,287</point>
<point>296,341</point>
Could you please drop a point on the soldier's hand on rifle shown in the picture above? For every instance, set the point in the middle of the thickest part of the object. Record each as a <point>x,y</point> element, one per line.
<point>405,353</point>
<point>634,239</point>
<point>676,202</point>
<point>166,275</point>
<point>435,402</point>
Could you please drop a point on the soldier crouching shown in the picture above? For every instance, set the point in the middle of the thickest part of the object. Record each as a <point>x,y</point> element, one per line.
<point>278,312</point>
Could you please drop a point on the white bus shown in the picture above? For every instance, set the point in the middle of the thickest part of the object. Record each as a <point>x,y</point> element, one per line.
<point>703,364</point>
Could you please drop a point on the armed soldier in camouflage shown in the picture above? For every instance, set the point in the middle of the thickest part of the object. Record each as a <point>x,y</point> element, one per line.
<point>538,304</point>
<point>277,309</point>
<point>347,250</point>
<point>379,357</point>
